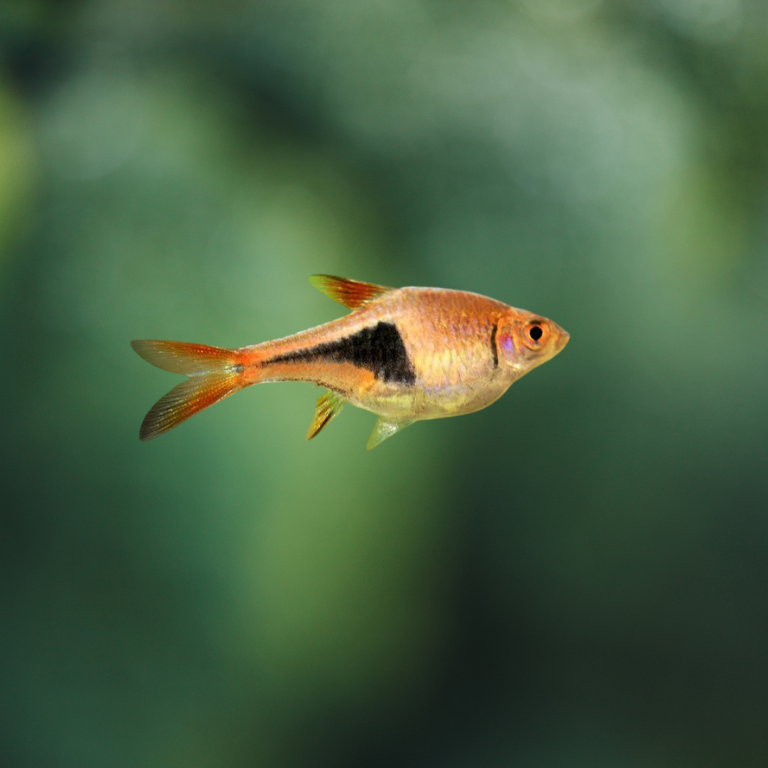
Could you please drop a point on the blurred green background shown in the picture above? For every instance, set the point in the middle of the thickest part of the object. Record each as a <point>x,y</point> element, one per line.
<point>576,576</point>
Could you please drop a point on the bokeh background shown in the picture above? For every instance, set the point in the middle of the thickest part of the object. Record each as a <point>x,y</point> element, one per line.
<point>576,576</point>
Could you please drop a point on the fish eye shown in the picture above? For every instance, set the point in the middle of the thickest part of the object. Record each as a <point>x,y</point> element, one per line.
<point>535,334</point>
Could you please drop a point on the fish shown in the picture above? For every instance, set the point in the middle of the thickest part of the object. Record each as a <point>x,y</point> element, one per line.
<point>406,354</point>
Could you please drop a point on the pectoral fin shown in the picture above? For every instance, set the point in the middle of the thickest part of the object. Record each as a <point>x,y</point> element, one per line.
<point>386,428</point>
<point>328,406</point>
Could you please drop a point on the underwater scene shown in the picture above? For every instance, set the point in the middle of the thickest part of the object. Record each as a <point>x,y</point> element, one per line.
<point>569,572</point>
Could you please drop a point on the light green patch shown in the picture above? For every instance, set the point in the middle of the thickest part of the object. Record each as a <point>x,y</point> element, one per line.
<point>18,167</point>
<point>701,231</point>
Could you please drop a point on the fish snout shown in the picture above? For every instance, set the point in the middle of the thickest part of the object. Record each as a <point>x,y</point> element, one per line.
<point>562,339</point>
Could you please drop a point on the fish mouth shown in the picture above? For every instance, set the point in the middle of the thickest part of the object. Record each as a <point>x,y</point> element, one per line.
<point>562,339</point>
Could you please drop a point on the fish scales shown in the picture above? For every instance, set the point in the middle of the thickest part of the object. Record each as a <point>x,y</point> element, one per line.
<point>406,354</point>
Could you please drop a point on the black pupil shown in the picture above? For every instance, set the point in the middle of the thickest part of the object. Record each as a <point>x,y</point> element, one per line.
<point>536,333</point>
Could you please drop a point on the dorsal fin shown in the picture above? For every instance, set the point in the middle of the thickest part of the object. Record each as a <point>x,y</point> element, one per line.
<point>350,293</point>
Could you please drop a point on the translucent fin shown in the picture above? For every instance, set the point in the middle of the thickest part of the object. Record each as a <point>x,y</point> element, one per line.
<point>328,406</point>
<point>386,428</point>
<point>215,373</point>
<point>350,293</point>
<point>185,400</point>
<point>181,357</point>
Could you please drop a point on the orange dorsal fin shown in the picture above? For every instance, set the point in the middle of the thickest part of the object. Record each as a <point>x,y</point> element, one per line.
<point>350,293</point>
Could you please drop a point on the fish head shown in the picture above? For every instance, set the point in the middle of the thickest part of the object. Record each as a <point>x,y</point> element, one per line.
<point>526,340</point>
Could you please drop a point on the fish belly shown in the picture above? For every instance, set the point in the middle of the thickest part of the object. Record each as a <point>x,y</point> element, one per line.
<point>420,403</point>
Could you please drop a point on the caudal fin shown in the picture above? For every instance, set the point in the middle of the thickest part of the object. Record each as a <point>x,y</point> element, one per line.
<point>214,373</point>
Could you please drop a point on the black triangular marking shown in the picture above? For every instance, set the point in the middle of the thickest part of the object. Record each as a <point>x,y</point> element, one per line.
<point>379,349</point>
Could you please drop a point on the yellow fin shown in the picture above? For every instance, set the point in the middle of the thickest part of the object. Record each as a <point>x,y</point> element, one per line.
<point>350,293</point>
<point>328,406</point>
<point>386,428</point>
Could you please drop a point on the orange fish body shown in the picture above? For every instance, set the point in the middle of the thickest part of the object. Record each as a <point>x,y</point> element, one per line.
<point>406,354</point>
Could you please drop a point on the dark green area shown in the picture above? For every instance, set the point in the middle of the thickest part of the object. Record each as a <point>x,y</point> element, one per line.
<point>575,576</point>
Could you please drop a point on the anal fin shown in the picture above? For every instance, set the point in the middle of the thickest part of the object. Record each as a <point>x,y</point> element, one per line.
<point>386,428</point>
<point>328,406</point>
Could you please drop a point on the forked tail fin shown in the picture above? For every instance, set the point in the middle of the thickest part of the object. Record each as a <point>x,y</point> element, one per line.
<point>214,373</point>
